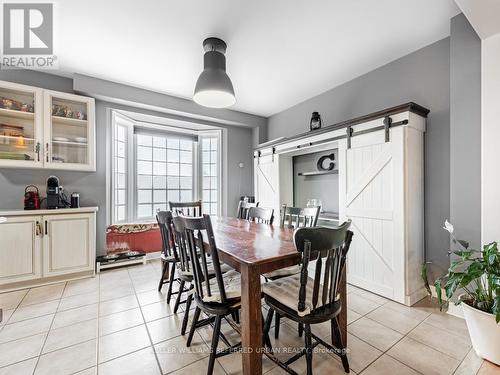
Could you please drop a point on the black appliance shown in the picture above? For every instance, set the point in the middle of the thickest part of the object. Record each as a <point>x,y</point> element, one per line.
<point>53,193</point>
<point>31,198</point>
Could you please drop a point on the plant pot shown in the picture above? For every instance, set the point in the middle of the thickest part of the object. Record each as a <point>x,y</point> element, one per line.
<point>484,333</point>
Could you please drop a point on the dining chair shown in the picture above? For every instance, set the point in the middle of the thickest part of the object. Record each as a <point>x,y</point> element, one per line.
<point>169,256</point>
<point>243,208</point>
<point>261,215</point>
<point>217,296</point>
<point>292,217</point>
<point>314,299</point>
<point>185,271</point>
<point>192,209</point>
<point>296,217</point>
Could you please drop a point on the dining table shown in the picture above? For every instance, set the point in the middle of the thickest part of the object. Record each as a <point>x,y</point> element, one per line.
<point>254,249</point>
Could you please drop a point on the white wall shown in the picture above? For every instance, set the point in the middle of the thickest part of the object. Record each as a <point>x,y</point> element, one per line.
<point>490,128</point>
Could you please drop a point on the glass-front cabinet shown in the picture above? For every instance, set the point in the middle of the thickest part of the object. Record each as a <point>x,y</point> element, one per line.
<point>46,129</point>
<point>20,125</point>
<point>69,131</point>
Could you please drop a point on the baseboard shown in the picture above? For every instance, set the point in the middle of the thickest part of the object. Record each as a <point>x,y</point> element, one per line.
<point>452,308</point>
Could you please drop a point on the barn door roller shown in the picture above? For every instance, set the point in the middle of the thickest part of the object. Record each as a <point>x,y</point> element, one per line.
<point>387,126</point>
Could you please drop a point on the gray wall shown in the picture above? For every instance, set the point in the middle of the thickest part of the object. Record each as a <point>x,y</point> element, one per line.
<point>465,135</point>
<point>92,185</point>
<point>324,187</point>
<point>422,77</point>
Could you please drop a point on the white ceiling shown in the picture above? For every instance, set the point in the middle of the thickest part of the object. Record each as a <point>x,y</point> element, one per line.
<point>280,52</point>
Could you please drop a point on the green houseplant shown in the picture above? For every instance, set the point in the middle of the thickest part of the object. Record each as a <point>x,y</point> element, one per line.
<point>475,273</point>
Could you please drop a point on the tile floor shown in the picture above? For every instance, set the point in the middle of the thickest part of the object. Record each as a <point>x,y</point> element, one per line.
<point>117,323</point>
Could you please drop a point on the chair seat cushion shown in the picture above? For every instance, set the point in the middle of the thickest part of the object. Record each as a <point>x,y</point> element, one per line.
<point>166,258</point>
<point>223,267</point>
<point>286,291</point>
<point>232,286</point>
<point>283,272</point>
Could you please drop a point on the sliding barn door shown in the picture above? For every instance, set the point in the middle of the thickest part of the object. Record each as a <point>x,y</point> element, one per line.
<point>371,195</point>
<point>267,181</point>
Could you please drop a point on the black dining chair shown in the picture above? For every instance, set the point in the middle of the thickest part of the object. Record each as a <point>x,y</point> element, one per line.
<point>192,209</point>
<point>292,217</point>
<point>243,208</point>
<point>217,295</point>
<point>261,215</point>
<point>169,256</point>
<point>313,299</point>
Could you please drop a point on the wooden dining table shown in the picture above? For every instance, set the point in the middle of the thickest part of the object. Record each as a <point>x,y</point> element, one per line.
<point>254,249</point>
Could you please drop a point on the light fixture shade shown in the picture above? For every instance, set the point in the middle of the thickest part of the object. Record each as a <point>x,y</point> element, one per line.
<point>214,87</point>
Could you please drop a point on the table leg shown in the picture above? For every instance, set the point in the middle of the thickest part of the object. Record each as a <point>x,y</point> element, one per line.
<point>251,316</point>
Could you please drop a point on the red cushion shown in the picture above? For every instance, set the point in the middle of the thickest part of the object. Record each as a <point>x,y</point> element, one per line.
<point>124,237</point>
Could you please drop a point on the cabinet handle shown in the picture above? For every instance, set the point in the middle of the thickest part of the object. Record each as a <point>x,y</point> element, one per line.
<point>47,152</point>
<point>37,229</point>
<point>37,150</point>
<point>46,228</point>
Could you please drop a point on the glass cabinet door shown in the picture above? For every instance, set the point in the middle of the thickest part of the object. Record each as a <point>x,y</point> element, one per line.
<point>20,125</point>
<point>69,132</point>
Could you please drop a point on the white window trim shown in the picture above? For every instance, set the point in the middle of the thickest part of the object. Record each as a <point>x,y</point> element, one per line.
<point>220,156</point>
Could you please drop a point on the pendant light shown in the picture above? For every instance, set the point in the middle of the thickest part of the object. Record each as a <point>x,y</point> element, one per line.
<point>213,87</point>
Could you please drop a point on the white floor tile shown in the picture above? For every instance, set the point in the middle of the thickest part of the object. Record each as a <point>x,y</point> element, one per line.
<point>78,301</point>
<point>375,334</point>
<point>19,350</point>
<point>140,362</point>
<point>117,305</point>
<point>165,329</point>
<point>123,342</point>
<point>43,294</point>
<point>119,321</point>
<point>11,300</point>
<point>26,328</point>
<point>74,334</point>
<point>20,368</point>
<point>68,360</point>
<point>174,355</point>
<point>76,315</point>
<point>34,311</point>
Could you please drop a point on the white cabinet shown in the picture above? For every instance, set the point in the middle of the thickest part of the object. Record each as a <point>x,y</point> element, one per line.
<point>20,250</point>
<point>68,243</point>
<point>46,129</point>
<point>35,248</point>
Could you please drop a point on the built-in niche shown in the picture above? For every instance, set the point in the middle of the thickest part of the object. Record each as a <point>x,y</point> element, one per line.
<point>314,177</point>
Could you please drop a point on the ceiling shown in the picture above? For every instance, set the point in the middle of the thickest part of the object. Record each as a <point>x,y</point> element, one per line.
<point>280,52</point>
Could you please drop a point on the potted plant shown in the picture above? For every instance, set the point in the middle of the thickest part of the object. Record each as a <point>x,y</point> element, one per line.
<point>477,274</point>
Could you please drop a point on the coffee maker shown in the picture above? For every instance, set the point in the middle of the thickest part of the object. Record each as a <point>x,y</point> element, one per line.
<point>53,193</point>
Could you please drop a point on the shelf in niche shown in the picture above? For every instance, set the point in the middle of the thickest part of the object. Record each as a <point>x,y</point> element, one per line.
<point>318,173</point>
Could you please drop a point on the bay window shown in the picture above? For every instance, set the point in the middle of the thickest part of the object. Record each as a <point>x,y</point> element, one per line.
<point>154,164</point>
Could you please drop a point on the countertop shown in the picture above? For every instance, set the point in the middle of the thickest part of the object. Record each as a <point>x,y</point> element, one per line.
<point>58,211</point>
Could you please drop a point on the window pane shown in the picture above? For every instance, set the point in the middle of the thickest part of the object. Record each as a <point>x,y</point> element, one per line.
<point>173,169</point>
<point>213,156</point>
<point>213,195</point>
<point>174,195</point>
<point>173,182</point>
<point>159,207</point>
<point>121,199</point>
<point>186,156</point>
<point>205,156</point>
<point>120,167</point>
<point>186,182</point>
<point>144,140</point>
<point>160,154</point>
<point>159,142</point>
<point>144,210</point>
<point>159,196</point>
<point>120,149</point>
<point>213,209</point>
<point>120,213</point>
<point>186,169</point>
<point>206,195</point>
<point>144,153</point>
<point>144,167</point>
<point>206,169</point>
<point>159,182</point>
<point>206,182</point>
<point>121,133</point>
<point>186,145</point>
<point>173,143</point>
<point>159,169</point>
<point>172,156</point>
<point>144,196</point>
<point>186,195</point>
<point>205,143</point>
<point>144,182</point>
<point>213,169</point>
<point>120,180</point>
<point>213,143</point>
<point>213,183</point>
